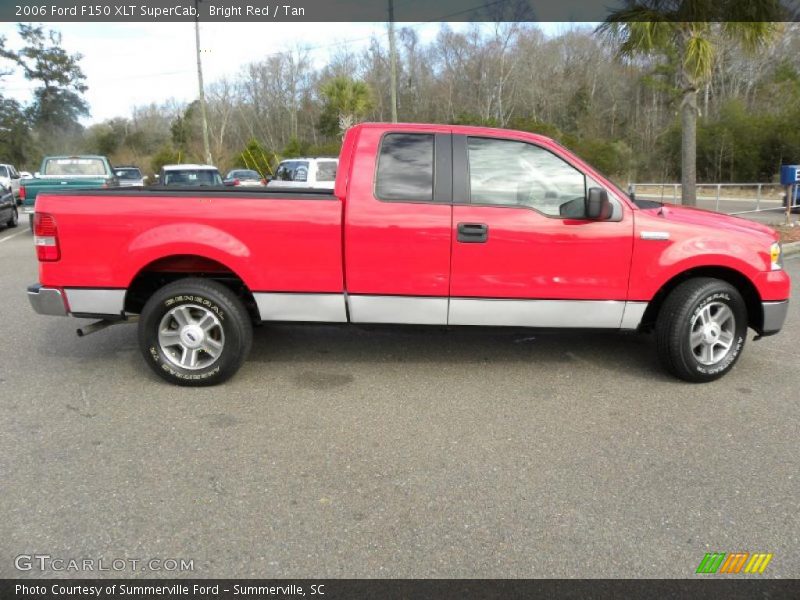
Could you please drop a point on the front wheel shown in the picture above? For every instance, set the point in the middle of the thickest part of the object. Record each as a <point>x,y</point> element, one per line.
<point>195,332</point>
<point>701,329</point>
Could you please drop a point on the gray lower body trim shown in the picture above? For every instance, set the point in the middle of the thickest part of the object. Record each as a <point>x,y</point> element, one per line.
<point>774,316</point>
<point>405,310</point>
<point>47,301</point>
<point>602,314</point>
<point>95,302</point>
<point>632,316</point>
<point>329,308</point>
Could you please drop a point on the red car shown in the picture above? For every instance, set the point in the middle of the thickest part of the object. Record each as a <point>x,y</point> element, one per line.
<point>427,224</point>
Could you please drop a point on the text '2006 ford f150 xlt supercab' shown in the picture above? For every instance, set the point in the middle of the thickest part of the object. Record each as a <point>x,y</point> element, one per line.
<point>426,224</point>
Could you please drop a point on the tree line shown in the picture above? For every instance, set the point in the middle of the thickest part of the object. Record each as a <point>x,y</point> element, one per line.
<point>622,114</point>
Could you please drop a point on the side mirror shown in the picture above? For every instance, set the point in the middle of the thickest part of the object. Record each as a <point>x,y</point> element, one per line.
<point>598,206</point>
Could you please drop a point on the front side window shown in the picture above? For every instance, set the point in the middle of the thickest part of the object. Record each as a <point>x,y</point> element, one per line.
<point>511,173</point>
<point>405,168</point>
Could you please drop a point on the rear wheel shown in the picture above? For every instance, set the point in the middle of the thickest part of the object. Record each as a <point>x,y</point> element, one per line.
<point>14,220</point>
<point>195,332</point>
<point>701,329</point>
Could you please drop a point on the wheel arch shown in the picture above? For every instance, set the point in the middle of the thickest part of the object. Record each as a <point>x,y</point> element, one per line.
<point>164,270</point>
<point>752,299</point>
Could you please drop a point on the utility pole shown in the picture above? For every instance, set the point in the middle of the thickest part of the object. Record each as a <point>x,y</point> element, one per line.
<point>206,146</point>
<point>392,62</point>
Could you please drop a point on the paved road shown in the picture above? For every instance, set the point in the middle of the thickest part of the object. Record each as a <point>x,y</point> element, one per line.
<point>393,452</point>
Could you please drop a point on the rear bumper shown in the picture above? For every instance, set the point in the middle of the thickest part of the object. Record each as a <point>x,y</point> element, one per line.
<point>774,316</point>
<point>47,301</point>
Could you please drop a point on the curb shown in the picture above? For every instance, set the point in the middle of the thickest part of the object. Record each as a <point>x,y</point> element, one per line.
<point>791,248</point>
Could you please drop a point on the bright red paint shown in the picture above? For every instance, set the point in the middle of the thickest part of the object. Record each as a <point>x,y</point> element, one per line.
<point>359,244</point>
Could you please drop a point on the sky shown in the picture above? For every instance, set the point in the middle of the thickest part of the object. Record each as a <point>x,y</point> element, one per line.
<point>133,64</point>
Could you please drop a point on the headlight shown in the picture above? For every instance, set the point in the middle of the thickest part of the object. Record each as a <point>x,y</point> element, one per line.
<point>776,256</point>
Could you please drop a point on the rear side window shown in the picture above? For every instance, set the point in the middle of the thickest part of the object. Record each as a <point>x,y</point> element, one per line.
<point>326,170</point>
<point>3,172</point>
<point>405,168</point>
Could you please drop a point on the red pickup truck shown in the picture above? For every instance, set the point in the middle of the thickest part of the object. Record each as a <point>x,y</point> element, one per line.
<point>427,224</point>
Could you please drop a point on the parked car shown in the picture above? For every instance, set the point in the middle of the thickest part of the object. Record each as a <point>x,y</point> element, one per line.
<point>313,173</point>
<point>66,172</point>
<point>130,176</point>
<point>554,244</point>
<point>9,178</point>
<point>189,175</point>
<point>244,178</point>
<point>9,215</point>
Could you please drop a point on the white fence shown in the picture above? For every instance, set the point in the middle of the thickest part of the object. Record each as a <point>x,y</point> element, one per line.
<point>730,198</point>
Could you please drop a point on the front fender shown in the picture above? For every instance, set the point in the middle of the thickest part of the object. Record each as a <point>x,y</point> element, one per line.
<point>655,262</point>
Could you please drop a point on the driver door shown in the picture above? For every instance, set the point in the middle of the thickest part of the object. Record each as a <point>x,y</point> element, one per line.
<point>523,252</point>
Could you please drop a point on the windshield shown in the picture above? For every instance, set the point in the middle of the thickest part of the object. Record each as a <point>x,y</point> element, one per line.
<point>129,173</point>
<point>192,177</point>
<point>86,167</point>
<point>244,174</point>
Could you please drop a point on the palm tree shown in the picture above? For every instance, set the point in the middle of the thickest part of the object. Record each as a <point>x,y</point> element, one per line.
<point>689,27</point>
<point>346,101</point>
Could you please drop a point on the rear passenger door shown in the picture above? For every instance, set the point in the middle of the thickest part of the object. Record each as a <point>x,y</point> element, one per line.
<point>397,227</point>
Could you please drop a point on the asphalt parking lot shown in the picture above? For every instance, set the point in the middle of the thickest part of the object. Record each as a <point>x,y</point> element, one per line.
<point>408,452</point>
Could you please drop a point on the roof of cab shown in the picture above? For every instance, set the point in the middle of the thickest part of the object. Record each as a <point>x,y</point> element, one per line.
<point>188,166</point>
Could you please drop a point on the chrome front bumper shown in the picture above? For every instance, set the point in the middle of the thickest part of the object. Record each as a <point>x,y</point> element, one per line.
<point>47,301</point>
<point>774,316</point>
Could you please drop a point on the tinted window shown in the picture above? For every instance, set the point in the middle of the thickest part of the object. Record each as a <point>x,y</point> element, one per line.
<point>326,170</point>
<point>508,173</point>
<point>192,177</point>
<point>129,174</point>
<point>405,167</point>
<point>244,174</point>
<point>292,170</point>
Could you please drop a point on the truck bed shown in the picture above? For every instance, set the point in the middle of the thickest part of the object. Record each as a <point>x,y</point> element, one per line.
<point>208,192</point>
<point>290,243</point>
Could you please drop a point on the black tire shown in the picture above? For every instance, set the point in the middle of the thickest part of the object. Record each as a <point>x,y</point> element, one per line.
<point>14,220</point>
<point>210,302</point>
<point>690,305</point>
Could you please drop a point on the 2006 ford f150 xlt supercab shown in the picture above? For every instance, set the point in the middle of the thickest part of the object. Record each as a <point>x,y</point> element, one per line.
<point>426,224</point>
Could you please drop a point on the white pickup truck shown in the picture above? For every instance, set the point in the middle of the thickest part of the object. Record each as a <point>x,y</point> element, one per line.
<point>314,173</point>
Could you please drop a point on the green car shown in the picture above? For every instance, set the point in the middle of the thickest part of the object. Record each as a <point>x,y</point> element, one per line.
<point>66,172</point>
